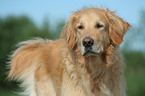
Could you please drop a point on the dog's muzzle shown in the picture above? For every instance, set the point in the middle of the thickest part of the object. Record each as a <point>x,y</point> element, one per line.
<point>87,44</point>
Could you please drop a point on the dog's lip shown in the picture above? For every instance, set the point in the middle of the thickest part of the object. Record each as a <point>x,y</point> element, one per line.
<point>89,52</point>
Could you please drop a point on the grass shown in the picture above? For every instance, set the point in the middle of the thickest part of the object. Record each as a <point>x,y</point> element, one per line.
<point>135,80</point>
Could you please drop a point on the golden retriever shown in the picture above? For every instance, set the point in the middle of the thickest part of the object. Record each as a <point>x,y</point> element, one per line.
<point>84,62</point>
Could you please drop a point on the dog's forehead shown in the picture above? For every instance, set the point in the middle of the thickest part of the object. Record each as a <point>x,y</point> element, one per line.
<point>92,15</point>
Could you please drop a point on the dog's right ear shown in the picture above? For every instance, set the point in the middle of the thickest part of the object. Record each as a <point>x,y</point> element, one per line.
<point>69,33</point>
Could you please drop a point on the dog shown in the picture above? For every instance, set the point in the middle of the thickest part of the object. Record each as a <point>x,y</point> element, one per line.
<point>85,61</point>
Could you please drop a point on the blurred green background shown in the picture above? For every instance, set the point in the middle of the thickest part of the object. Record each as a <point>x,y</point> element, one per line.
<point>14,29</point>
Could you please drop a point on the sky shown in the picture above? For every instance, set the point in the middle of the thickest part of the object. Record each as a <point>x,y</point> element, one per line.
<point>57,10</point>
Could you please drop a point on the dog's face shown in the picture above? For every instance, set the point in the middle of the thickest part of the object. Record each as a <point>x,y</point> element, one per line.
<point>92,32</point>
<point>92,29</point>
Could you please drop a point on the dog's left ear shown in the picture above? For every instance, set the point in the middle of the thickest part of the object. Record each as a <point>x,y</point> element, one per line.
<point>69,33</point>
<point>117,27</point>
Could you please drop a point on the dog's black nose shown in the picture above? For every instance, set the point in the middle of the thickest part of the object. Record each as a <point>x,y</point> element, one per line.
<point>88,42</point>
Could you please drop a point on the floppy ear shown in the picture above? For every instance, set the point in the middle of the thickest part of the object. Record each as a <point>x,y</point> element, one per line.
<point>117,27</point>
<point>69,33</point>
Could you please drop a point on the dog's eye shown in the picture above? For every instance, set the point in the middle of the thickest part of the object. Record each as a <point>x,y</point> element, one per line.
<point>99,25</point>
<point>80,27</point>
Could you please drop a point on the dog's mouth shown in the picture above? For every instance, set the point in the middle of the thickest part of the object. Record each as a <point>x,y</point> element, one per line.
<point>88,52</point>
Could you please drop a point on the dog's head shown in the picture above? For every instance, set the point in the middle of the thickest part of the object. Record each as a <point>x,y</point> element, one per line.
<point>92,30</point>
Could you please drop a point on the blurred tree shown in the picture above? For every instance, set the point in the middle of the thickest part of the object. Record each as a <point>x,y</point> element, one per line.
<point>45,30</point>
<point>59,28</point>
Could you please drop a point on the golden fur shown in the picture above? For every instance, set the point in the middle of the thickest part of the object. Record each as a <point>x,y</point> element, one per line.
<point>57,68</point>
